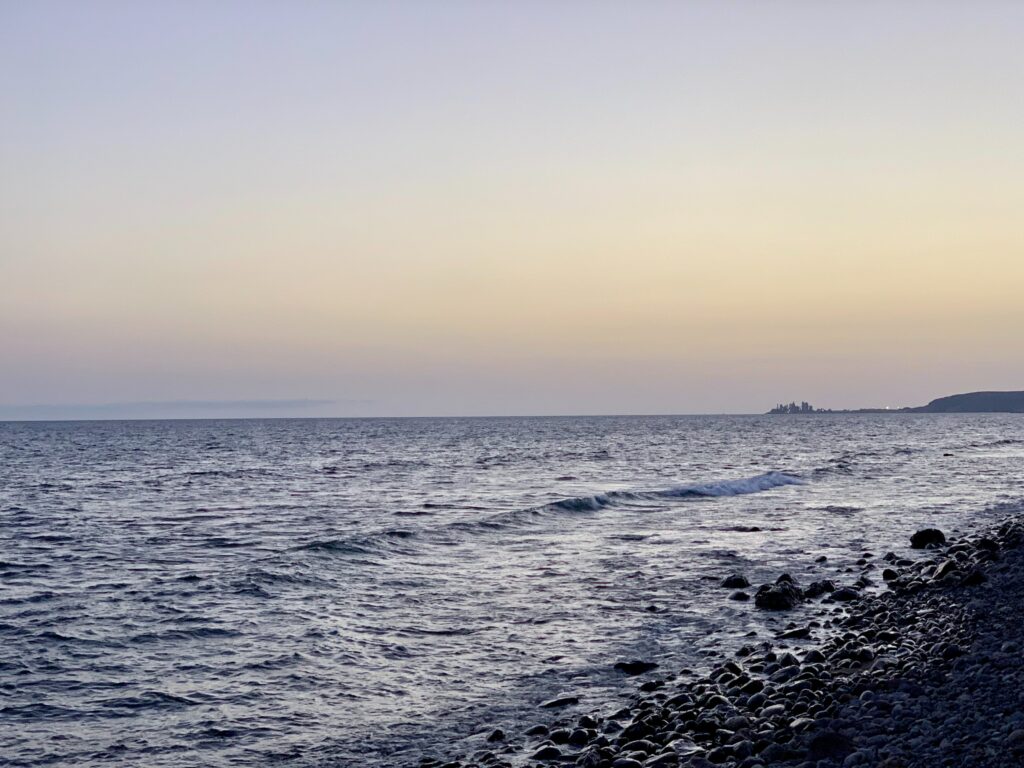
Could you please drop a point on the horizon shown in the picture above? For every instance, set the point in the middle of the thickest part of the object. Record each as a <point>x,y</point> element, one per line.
<point>242,410</point>
<point>465,208</point>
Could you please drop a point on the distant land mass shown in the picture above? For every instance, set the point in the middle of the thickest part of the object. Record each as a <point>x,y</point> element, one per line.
<point>970,402</point>
<point>976,402</point>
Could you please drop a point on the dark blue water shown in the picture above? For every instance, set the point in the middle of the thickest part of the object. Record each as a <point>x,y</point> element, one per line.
<point>361,592</point>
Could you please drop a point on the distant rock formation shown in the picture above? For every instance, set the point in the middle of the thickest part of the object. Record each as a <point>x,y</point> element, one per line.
<point>975,402</point>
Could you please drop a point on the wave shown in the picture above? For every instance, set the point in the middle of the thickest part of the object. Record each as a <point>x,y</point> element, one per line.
<point>149,700</point>
<point>408,542</point>
<point>588,503</point>
<point>367,545</point>
<point>7,566</point>
<point>765,482</point>
<point>1002,443</point>
<point>756,484</point>
<point>336,546</point>
<point>836,509</point>
<point>391,464</point>
<point>198,633</point>
<point>846,462</point>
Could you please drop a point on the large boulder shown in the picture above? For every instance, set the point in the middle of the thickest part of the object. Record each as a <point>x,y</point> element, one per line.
<point>927,538</point>
<point>783,595</point>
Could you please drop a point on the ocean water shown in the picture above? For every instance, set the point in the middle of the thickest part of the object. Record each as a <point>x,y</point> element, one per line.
<point>366,592</point>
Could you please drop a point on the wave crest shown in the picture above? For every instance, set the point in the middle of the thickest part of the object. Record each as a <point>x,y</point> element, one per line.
<point>754,484</point>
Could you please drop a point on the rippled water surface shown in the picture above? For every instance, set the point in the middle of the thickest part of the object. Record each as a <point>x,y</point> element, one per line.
<point>362,592</point>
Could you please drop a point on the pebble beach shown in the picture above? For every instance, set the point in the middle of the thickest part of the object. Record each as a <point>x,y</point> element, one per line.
<point>927,671</point>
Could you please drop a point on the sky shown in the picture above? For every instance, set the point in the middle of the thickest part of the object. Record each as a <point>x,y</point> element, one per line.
<point>485,208</point>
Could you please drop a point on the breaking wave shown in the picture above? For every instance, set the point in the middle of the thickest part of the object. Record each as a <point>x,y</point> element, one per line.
<point>755,484</point>
<point>408,542</point>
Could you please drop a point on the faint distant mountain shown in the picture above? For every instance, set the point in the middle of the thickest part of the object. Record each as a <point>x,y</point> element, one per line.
<point>975,402</point>
<point>182,409</point>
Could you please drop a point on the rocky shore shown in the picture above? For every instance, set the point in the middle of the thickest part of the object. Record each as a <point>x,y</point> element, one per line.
<point>929,672</point>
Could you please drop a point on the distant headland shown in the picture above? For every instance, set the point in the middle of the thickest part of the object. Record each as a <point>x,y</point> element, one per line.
<point>970,402</point>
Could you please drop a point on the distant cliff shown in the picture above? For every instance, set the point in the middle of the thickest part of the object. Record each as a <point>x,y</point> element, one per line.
<point>975,402</point>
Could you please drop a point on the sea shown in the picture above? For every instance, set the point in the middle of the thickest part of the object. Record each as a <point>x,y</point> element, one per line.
<point>367,592</point>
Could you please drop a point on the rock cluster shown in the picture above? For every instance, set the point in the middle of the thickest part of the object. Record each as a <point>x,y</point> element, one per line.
<point>928,673</point>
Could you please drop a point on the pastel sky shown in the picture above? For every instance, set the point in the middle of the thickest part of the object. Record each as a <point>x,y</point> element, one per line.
<point>484,207</point>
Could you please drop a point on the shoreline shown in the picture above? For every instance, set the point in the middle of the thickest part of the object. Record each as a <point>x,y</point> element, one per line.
<point>927,673</point>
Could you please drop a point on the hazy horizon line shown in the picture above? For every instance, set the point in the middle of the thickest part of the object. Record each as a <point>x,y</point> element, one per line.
<point>4,419</point>
<point>271,408</point>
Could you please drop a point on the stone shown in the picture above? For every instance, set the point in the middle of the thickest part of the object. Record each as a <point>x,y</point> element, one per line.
<point>754,686</point>
<point>739,596</point>
<point>640,745</point>
<point>635,667</point>
<point>944,568</point>
<point>986,545</point>
<point>952,651</point>
<point>719,755</point>
<point>662,761</point>
<point>736,581</point>
<point>496,735</point>
<point>579,737</point>
<point>889,574</point>
<point>927,538</point>
<point>549,752</point>
<point>781,596</point>
<point>561,701</point>
<point>818,588</point>
<point>736,723</point>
